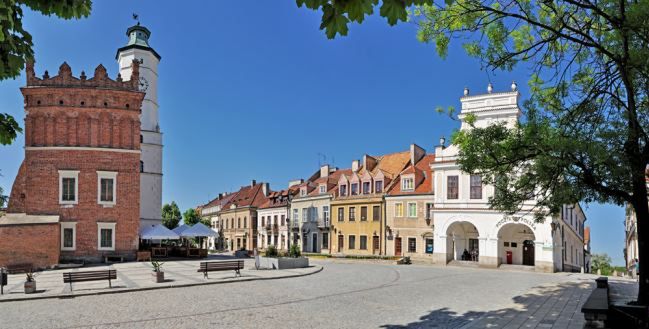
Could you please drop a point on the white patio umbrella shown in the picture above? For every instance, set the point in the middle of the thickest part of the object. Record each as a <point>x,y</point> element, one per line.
<point>198,230</point>
<point>181,228</point>
<point>159,232</point>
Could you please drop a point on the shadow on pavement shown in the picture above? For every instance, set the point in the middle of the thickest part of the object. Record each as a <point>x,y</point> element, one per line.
<point>543,307</point>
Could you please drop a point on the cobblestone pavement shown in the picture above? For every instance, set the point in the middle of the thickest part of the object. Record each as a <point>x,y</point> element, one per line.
<point>343,295</point>
<point>137,276</point>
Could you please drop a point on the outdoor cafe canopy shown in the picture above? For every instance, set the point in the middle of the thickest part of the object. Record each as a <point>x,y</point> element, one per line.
<point>181,228</point>
<point>159,232</point>
<point>198,230</point>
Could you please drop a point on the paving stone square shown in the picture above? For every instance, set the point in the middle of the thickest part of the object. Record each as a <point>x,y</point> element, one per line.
<point>345,294</point>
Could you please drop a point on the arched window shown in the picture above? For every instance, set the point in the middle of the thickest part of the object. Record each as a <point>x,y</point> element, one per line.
<point>141,166</point>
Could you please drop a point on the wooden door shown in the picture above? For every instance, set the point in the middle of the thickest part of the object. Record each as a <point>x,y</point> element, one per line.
<point>341,240</point>
<point>528,252</point>
<point>375,245</point>
<point>397,246</point>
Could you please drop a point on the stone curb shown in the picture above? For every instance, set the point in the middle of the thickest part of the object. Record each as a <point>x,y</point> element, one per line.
<point>318,269</point>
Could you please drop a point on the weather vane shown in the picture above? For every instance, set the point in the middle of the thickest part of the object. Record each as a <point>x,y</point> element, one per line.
<point>135,17</point>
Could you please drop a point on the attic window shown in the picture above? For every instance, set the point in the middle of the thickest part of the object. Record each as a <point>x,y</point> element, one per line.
<point>83,103</point>
<point>38,102</point>
<point>60,102</point>
<point>407,184</point>
<point>378,186</point>
<point>323,189</point>
<point>302,192</point>
<point>127,106</point>
<point>105,104</point>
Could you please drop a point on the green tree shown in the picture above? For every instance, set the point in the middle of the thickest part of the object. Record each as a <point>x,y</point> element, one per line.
<point>16,43</point>
<point>206,221</point>
<point>584,136</point>
<point>3,198</point>
<point>171,215</point>
<point>191,217</point>
<point>601,262</point>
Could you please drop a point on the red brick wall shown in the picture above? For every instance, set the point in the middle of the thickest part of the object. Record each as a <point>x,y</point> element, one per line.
<point>42,196</point>
<point>36,244</point>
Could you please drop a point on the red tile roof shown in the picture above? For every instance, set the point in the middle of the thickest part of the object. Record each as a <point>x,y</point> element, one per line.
<point>247,196</point>
<point>423,177</point>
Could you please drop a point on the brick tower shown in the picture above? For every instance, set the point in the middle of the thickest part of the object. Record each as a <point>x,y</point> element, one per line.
<point>81,172</point>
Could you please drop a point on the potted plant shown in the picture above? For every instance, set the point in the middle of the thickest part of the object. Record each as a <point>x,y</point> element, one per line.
<point>30,282</point>
<point>158,275</point>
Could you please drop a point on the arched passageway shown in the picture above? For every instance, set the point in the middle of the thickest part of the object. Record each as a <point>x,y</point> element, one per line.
<point>462,242</point>
<point>516,245</point>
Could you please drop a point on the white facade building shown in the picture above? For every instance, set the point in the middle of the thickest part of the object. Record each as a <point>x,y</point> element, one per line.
<point>467,230</point>
<point>151,138</point>
<point>211,212</point>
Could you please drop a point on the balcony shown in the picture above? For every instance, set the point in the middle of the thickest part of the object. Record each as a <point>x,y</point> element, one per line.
<point>268,228</point>
<point>275,229</point>
<point>323,223</point>
<point>294,225</point>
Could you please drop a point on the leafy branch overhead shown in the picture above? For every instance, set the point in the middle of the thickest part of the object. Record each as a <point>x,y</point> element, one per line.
<point>16,46</point>
<point>336,15</point>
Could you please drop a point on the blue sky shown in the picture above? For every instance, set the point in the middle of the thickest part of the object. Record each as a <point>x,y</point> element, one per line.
<point>254,90</point>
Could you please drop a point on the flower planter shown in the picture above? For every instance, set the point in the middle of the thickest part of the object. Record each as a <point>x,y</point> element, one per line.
<point>30,287</point>
<point>158,277</point>
<point>282,263</point>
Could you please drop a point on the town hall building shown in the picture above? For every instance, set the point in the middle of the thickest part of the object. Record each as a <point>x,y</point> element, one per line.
<point>92,172</point>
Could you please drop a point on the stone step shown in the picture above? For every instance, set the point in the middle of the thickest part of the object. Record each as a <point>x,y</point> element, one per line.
<point>463,263</point>
<point>517,267</point>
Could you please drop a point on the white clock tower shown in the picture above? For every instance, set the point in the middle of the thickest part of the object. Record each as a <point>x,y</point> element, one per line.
<point>151,139</point>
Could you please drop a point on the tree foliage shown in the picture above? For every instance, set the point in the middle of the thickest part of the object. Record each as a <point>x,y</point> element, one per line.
<point>16,45</point>
<point>191,217</point>
<point>601,262</point>
<point>3,198</point>
<point>171,215</point>
<point>583,135</point>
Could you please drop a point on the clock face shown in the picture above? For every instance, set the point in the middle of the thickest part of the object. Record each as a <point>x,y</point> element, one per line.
<point>144,85</point>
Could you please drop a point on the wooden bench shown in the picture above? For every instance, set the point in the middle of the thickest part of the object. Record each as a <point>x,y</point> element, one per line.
<point>228,265</point>
<point>20,268</point>
<point>70,277</point>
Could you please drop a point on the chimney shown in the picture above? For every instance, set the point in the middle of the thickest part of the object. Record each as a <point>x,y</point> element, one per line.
<point>324,171</point>
<point>369,162</point>
<point>220,196</point>
<point>265,188</point>
<point>295,182</point>
<point>416,153</point>
<point>355,165</point>
<point>254,182</point>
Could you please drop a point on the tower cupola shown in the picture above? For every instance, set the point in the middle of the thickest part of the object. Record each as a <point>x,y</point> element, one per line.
<point>138,38</point>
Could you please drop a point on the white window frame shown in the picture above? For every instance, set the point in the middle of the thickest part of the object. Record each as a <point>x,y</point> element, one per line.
<point>101,226</point>
<point>396,209</point>
<point>69,174</point>
<point>107,175</point>
<point>73,226</point>
<point>408,184</point>
<point>323,189</point>
<point>408,210</point>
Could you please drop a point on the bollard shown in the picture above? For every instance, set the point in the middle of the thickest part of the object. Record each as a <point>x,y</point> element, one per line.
<point>3,280</point>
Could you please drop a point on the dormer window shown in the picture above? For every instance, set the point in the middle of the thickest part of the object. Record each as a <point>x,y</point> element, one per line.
<point>407,184</point>
<point>378,186</point>
<point>303,192</point>
<point>366,187</point>
<point>355,189</point>
<point>343,190</point>
<point>323,189</point>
